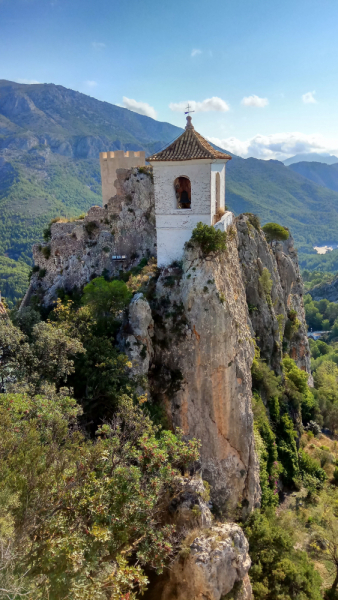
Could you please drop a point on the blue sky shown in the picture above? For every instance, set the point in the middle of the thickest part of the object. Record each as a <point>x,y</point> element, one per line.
<point>263,74</point>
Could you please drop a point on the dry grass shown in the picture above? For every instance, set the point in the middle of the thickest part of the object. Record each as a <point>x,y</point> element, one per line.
<point>219,214</point>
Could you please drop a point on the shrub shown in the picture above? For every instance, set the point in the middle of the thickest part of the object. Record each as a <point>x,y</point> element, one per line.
<point>274,232</point>
<point>45,250</point>
<point>265,282</point>
<point>278,571</point>
<point>209,239</point>
<point>254,220</point>
<point>90,227</point>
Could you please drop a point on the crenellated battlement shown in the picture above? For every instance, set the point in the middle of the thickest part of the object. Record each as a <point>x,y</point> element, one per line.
<point>117,159</point>
<point>120,154</point>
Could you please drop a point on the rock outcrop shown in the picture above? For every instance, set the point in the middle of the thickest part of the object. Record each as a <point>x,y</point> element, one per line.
<point>325,290</point>
<point>212,563</point>
<point>200,359</point>
<point>217,560</point>
<point>106,240</point>
<point>214,557</point>
<point>274,293</point>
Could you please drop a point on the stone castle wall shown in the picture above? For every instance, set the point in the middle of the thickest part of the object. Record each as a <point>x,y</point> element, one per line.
<point>110,162</point>
<point>108,239</point>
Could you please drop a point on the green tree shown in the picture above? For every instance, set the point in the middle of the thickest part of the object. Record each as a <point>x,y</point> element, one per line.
<point>274,232</point>
<point>85,516</point>
<point>47,359</point>
<point>106,297</point>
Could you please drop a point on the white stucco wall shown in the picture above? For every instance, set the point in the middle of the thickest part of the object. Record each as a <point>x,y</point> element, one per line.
<point>217,168</point>
<point>165,174</point>
<point>225,221</point>
<point>174,226</point>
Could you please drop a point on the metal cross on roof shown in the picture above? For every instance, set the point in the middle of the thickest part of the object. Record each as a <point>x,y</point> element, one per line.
<point>188,110</point>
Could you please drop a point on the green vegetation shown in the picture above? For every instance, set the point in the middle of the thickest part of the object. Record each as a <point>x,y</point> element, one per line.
<point>209,239</point>
<point>31,200</point>
<point>278,570</point>
<point>310,279</point>
<point>319,262</point>
<point>265,283</point>
<point>106,297</point>
<point>82,480</point>
<point>321,315</point>
<point>81,508</point>
<point>274,232</point>
<point>14,279</point>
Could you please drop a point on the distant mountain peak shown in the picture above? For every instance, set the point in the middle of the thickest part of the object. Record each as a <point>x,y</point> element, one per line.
<point>322,157</point>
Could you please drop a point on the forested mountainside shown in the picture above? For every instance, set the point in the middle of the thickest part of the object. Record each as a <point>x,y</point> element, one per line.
<point>50,139</point>
<point>162,420</point>
<point>320,173</point>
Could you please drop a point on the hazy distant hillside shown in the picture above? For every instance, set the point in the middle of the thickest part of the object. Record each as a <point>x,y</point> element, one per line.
<point>50,139</point>
<point>276,193</point>
<point>311,157</point>
<point>320,173</point>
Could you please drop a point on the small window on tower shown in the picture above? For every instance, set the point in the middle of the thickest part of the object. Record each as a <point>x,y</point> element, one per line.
<point>183,192</point>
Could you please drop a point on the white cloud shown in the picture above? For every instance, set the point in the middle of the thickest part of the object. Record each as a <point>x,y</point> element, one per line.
<point>91,83</point>
<point>255,101</point>
<point>309,98</point>
<point>277,146</point>
<point>142,108</point>
<point>28,81</point>
<point>209,105</point>
<point>98,45</point>
<point>196,52</point>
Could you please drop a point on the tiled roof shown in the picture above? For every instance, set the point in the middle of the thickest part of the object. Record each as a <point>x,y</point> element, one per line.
<point>189,146</point>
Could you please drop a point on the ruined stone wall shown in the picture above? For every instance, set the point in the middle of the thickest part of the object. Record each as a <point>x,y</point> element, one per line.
<point>110,162</point>
<point>83,249</point>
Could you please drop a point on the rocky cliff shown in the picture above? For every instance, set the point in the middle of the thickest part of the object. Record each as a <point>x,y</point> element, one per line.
<point>274,294</point>
<point>106,240</point>
<point>191,335</point>
<point>326,290</point>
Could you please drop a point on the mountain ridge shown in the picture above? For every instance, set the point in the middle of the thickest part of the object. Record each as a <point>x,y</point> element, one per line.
<point>328,159</point>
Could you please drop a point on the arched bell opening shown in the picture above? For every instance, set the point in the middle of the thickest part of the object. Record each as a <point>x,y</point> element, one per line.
<point>182,187</point>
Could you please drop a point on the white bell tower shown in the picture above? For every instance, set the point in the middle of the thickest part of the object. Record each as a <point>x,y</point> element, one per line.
<point>189,182</point>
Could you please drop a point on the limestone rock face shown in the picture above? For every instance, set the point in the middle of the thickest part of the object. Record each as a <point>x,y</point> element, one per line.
<point>137,341</point>
<point>83,249</point>
<point>188,504</point>
<point>277,318</point>
<point>218,559</point>
<point>200,370</point>
<point>326,290</point>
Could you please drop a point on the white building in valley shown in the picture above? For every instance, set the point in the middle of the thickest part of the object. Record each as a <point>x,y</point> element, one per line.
<point>189,181</point>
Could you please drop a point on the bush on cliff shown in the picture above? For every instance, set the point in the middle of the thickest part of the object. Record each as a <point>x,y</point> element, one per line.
<point>209,239</point>
<point>274,232</point>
